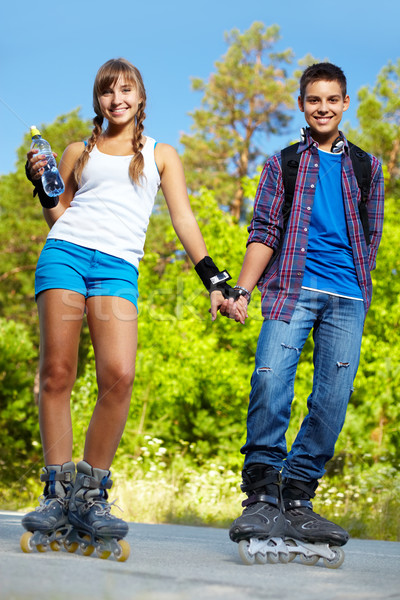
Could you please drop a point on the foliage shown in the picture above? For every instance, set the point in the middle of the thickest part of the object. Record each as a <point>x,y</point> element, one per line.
<point>19,430</point>
<point>379,117</point>
<point>249,97</point>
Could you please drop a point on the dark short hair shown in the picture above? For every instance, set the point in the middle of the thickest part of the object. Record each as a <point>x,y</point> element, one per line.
<point>322,71</point>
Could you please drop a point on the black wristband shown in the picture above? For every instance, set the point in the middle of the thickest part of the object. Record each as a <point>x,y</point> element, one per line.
<point>212,278</point>
<point>44,199</point>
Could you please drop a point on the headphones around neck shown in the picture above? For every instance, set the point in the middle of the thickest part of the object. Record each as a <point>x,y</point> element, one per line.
<point>336,147</point>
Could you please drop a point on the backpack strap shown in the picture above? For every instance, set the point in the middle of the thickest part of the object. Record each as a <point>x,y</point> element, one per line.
<point>290,165</point>
<point>362,170</point>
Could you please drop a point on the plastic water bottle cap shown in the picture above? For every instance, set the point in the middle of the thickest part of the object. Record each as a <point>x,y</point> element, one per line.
<point>34,130</point>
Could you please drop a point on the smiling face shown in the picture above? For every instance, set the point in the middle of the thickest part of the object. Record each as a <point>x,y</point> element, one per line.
<point>119,102</point>
<point>118,91</point>
<point>323,106</point>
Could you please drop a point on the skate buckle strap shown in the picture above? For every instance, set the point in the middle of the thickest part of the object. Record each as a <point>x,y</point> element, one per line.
<point>290,503</point>
<point>271,477</point>
<point>308,487</point>
<point>65,476</point>
<point>91,483</point>
<point>261,498</point>
<point>106,483</point>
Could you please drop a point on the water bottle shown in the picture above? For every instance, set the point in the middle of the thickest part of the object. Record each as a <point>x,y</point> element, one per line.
<point>52,182</point>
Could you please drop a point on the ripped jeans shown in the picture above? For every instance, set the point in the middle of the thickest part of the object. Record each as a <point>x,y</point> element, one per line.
<point>337,325</point>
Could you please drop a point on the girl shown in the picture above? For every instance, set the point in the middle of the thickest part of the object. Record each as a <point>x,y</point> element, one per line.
<point>90,265</point>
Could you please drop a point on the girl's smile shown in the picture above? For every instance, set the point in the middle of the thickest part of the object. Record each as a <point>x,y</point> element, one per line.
<point>120,102</point>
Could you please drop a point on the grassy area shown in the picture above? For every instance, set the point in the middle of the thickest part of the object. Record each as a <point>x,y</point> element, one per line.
<point>151,490</point>
<point>366,503</point>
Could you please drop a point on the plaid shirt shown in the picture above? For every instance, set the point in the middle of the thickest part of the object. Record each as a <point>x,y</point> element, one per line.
<point>281,282</point>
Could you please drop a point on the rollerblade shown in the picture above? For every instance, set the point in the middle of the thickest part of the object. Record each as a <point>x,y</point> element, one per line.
<point>308,534</point>
<point>47,526</point>
<point>94,527</point>
<point>261,527</point>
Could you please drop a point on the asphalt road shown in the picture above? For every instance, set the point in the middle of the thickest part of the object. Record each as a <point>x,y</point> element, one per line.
<point>170,562</point>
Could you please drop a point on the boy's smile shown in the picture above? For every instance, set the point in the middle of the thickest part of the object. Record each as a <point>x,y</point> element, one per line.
<point>323,107</point>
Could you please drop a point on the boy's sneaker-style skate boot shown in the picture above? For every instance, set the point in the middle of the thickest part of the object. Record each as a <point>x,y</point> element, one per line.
<point>307,533</point>
<point>261,527</point>
<point>47,526</point>
<point>95,528</point>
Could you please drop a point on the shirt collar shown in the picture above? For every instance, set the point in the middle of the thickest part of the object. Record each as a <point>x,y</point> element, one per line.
<point>306,141</point>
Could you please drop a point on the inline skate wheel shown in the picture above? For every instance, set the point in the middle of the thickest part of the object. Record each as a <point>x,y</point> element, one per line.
<point>25,542</point>
<point>291,555</point>
<point>103,554</point>
<point>247,558</point>
<point>261,559</point>
<point>71,546</point>
<point>284,558</point>
<point>122,554</point>
<point>272,558</point>
<point>337,561</point>
<point>309,560</point>
<point>55,545</point>
<point>87,549</point>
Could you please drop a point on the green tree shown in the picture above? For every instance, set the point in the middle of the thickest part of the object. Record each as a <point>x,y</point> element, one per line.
<point>248,98</point>
<point>378,114</point>
<point>19,430</point>
<point>23,230</point>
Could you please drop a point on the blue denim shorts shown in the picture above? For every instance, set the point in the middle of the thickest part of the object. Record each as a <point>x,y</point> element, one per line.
<point>67,266</point>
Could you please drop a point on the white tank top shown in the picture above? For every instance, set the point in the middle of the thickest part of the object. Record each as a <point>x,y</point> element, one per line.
<point>109,212</point>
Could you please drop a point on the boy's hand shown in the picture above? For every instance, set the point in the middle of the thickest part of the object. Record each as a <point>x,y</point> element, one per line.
<point>236,310</point>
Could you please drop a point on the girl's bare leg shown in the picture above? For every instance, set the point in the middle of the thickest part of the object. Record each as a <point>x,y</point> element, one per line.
<point>113,329</point>
<point>60,317</point>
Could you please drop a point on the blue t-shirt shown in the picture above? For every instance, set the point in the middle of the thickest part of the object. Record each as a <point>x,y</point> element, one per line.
<point>329,264</point>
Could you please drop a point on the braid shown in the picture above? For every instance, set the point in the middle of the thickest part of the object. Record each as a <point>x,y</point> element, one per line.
<point>84,157</point>
<point>137,163</point>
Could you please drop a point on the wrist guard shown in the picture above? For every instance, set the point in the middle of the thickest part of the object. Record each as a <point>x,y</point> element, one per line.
<point>212,278</point>
<point>44,199</point>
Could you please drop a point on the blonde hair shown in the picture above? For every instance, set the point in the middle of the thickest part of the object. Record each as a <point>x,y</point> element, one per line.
<point>106,77</point>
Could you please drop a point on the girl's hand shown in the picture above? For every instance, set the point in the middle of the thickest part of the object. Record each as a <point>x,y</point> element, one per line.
<point>36,163</point>
<point>217,300</point>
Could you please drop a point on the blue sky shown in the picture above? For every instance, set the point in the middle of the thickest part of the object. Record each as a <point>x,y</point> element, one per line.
<point>50,53</point>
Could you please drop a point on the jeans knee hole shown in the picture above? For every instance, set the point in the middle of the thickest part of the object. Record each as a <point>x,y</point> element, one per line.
<point>290,347</point>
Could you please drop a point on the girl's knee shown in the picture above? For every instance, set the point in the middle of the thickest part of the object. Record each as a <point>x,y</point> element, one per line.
<point>117,379</point>
<point>56,377</point>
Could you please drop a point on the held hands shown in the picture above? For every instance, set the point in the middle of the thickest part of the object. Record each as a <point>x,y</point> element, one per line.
<point>232,302</point>
<point>235,309</point>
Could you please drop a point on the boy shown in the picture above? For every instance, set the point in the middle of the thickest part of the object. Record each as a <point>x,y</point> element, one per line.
<point>313,275</point>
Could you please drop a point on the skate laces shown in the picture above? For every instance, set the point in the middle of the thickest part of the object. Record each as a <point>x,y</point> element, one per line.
<point>47,501</point>
<point>103,509</point>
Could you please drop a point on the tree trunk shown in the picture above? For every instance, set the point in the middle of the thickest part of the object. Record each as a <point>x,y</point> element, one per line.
<point>236,206</point>
<point>394,158</point>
